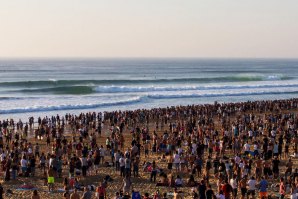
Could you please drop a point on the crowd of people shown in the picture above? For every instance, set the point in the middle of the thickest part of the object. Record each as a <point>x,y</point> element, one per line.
<point>224,151</point>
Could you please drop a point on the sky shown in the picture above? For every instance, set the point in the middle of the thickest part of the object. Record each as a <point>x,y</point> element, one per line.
<point>149,28</point>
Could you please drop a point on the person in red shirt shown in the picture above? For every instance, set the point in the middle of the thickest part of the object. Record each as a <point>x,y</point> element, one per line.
<point>227,189</point>
<point>146,196</point>
<point>282,189</point>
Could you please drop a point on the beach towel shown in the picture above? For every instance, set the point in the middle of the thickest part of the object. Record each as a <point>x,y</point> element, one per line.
<point>26,187</point>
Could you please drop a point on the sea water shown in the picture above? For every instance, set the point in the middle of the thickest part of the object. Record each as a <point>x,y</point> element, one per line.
<point>46,87</point>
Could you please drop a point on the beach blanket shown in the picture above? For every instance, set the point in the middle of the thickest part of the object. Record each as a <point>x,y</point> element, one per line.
<point>61,190</point>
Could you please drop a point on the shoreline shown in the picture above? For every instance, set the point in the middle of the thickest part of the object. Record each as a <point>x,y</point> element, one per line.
<point>26,115</point>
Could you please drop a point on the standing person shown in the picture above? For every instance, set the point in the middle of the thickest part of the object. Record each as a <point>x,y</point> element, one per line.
<point>84,165</point>
<point>153,172</point>
<point>263,188</point>
<point>101,192</point>
<point>251,187</point>
<point>136,163</point>
<point>202,190</point>
<point>117,157</point>
<point>234,184</point>
<point>127,184</point>
<point>227,189</point>
<point>282,189</point>
<point>209,192</point>
<point>1,191</point>
<point>24,164</point>
<point>275,166</point>
<point>127,166</point>
<point>176,161</point>
<point>51,179</point>
<point>122,166</point>
<point>243,188</point>
<point>7,169</point>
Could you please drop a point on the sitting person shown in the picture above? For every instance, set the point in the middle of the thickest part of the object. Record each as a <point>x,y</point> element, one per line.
<point>164,180</point>
<point>178,181</point>
<point>77,185</point>
<point>191,181</point>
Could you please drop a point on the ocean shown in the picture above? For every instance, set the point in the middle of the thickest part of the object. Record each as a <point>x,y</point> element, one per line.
<point>46,87</point>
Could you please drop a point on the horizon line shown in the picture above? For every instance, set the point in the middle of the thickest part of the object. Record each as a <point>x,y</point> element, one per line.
<point>141,57</point>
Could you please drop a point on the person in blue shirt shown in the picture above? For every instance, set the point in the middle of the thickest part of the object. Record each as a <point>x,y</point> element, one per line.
<point>135,195</point>
<point>263,188</point>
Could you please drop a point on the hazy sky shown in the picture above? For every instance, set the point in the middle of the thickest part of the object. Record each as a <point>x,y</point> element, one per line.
<point>149,28</point>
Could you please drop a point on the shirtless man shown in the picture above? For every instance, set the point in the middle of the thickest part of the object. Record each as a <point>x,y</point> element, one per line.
<point>258,168</point>
<point>51,179</point>
<point>75,195</point>
<point>243,188</point>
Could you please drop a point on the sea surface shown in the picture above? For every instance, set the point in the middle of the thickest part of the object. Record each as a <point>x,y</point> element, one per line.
<point>40,87</point>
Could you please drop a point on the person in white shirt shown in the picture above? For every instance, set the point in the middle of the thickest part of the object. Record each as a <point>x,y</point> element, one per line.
<point>234,185</point>
<point>24,164</point>
<point>122,166</point>
<point>256,150</point>
<point>237,159</point>
<point>246,148</point>
<point>2,156</point>
<point>250,134</point>
<point>251,187</point>
<point>176,161</point>
<point>275,149</point>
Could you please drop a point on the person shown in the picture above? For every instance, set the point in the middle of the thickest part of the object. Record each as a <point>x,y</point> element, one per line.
<point>135,195</point>
<point>1,191</point>
<point>101,192</point>
<point>87,194</point>
<point>117,195</point>
<point>127,184</point>
<point>146,196</point>
<point>251,187</point>
<point>202,190</point>
<point>234,185</point>
<point>164,196</point>
<point>220,195</point>
<point>51,179</point>
<point>263,188</point>
<point>194,194</point>
<point>209,192</point>
<point>191,181</point>
<point>153,172</point>
<point>282,189</point>
<point>24,165</point>
<point>177,194</point>
<point>155,196</point>
<point>75,195</point>
<point>66,194</point>
<point>178,181</point>
<point>227,189</point>
<point>275,166</point>
<point>35,195</point>
<point>243,188</point>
